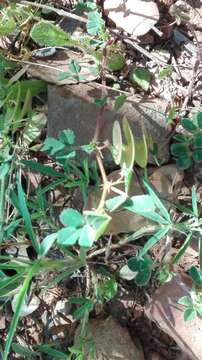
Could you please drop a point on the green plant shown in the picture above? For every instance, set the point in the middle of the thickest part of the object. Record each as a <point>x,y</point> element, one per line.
<point>192,304</point>
<point>188,148</point>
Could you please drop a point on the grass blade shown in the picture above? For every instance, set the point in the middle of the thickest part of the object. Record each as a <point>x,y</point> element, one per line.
<point>153,240</point>
<point>19,304</point>
<point>182,249</point>
<point>157,201</point>
<point>26,216</point>
<point>194,202</point>
<point>42,169</point>
<point>55,354</point>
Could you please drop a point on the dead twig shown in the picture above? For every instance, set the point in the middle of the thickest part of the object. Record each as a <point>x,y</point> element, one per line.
<point>59,12</point>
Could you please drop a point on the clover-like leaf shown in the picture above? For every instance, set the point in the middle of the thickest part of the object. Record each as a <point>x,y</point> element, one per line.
<point>71,217</point>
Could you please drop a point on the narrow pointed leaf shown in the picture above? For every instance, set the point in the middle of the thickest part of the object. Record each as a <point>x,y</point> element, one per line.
<point>153,240</point>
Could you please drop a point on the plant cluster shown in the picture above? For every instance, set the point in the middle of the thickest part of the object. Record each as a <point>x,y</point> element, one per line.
<point>26,218</point>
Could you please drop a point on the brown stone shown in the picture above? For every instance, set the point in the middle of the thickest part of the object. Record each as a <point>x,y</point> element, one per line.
<point>73,106</point>
<point>168,314</point>
<point>112,342</point>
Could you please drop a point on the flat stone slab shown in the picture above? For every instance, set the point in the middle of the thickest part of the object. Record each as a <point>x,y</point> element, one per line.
<point>73,106</point>
<point>112,341</point>
<point>168,314</point>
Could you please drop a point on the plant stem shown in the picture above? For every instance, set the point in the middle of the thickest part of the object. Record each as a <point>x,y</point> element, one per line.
<point>105,181</point>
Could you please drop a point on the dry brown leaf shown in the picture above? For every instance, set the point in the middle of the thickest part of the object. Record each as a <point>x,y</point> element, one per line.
<point>136,17</point>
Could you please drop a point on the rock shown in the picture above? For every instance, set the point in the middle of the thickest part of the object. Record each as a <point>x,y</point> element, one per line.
<point>136,17</point>
<point>50,69</point>
<point>153,355</point>
<point>2,321</point>
<point>72,106</point>
<point>112,342</point>
<point>168,314</point>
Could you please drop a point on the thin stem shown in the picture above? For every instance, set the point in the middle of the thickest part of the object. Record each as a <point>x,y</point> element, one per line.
<point>57,11</point>
<point>105,181</point>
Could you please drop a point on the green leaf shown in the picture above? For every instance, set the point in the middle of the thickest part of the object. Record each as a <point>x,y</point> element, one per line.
<point>46,243</point>
<point>26,216</point>
<point>74,67</point>
<point>117,142</point>
<point>128,153</point>
<point>188,125</point>
<point>186,301</point>
<point>86,308</point>
<point>179,150</point>
<point>115,62</point>
<point>4,169</point>
<point>42,169</point>
<point>52,146</point>
<point>19,304</point>
<point>164,274</point>
<point>34,125</point>
<point>98,221</point>
<point>199,120</point>
<point>143,278</point>
<point>24,351</point>
<point>142,268</point>
<point>34,86</point>
<point>55,354</point>
<point>182,249</point>
<point>184,162</point>
<point>87,236</point>
<point>71,217</point>
<point>119,101</point>
<point>197,155</point>
<point>68,236</point>
<point>141,77</point>
<point>199,310</point>
<point>189,314</point>
<point>108,289</point>
<point>115,202</point>
<point>194,202</point>
<point>140,204</point>
<point>139,264</point>
<point>45,33</point>
<point>67,136</point>
<point>197,140</point>
<point>196,276</point>
<point>95,23</point>
<point>157,201</point>
<point>153,240</point>
<point>7,25</point>
<point>141,152</point>
<point>164,72</point>
<point>200,251</point>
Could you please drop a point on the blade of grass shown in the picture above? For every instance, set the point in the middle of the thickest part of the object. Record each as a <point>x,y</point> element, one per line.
<point>43,169</point>
<point>55,354</point>
<point>153,240</point>
<point>19,303</point>
<point>182,249</point>
<point>157,201</point>
<point>24,351</point>
<point>194,202</point>
<point>26,216</point>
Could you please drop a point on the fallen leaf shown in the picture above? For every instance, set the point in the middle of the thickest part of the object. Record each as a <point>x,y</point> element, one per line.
<point>136,17</point>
